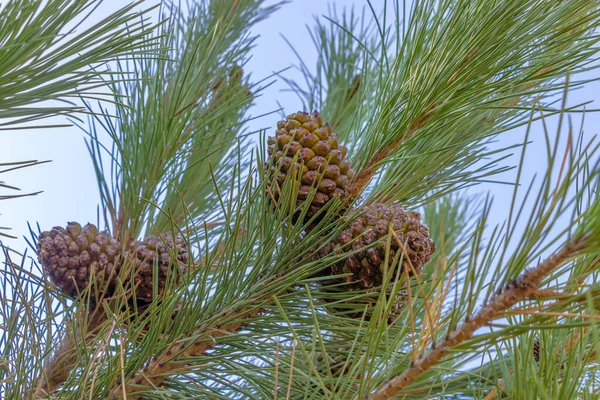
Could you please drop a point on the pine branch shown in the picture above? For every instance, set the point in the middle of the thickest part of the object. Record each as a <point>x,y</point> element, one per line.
<point>365,174</point>
<point>177,164</point>
<point>524,287</point>
<point>455,67</point>
<point>244,294</point>
<point>177,356</point>
<point>172,360</point>
<point>41,61</point>
<point>59,366</point>
<point>190,123</point>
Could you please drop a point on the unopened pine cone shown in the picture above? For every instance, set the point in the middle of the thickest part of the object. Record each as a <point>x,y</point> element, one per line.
<point>72,256</point>
<point>170,256</point>
<point>304,147</point>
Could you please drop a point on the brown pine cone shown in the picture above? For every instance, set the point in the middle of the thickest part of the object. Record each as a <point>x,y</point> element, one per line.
<point>71,257</point>
<point>171,257</point>
<point>367,234</point>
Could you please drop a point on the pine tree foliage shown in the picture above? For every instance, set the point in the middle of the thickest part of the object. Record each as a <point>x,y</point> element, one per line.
<point>419,92</point>
<point>45,55</point>
<point>182,114</point>
<point>413,104</point>
<point>45,58</point>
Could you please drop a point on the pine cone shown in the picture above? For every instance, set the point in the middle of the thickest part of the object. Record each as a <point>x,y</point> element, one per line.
<point>371,226</point>
<point>536,349</point>
<point>162,249</point>
<point>71,256</point>
<point>304,144</point>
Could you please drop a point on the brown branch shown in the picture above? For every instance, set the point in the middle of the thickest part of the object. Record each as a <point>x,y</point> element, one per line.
<point>567,346</point>
<point>516,290</point>
<point>172,359</point>
<point>59,366</point>
<point>547,294</point>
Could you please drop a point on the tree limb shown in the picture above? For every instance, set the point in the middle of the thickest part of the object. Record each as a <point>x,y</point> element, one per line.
<point>57,369</point>
<point>516,290</point>
<point>155,372</point>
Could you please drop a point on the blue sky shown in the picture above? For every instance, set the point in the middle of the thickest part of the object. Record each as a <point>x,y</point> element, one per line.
<point>68,182</point>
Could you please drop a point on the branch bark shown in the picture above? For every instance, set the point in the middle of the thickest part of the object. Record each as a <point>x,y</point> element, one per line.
<point>155,372</point>
<point>59,366</point>
<point>525,286</point>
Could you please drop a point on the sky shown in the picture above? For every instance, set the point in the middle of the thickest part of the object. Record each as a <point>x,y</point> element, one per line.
<point>68,183</point>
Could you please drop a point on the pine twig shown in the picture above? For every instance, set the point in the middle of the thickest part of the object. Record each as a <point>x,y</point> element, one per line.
<point>516,290</point>
<point>155,372</point>
<point>363,177</point>
<point>568,345</point>
<point>57,369</point>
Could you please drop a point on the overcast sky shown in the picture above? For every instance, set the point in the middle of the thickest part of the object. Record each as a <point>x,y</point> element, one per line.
<point>68,183</point>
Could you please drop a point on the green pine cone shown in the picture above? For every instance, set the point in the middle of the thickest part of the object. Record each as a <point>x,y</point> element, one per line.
<point>303,144</point>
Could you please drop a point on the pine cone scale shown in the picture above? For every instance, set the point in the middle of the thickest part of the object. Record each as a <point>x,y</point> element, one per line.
<point>372,224</point>
<point>144,254</point>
